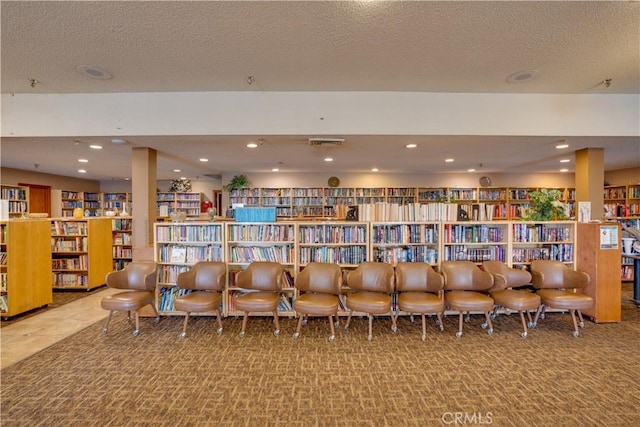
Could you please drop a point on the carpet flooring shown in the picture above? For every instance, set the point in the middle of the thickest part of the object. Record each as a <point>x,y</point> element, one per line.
<point>157,379</point>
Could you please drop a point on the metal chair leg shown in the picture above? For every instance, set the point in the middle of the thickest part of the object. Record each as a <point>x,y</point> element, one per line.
<point>275,319</point>
<point>524,325</point>
<point>332,328</point>
<point>298,328</point>
<point>244,324</point>
<point>136,315</point>
<point>576,333</point>
<point>346,326</point>
<point>424,327</point>
<point>184,326</point>
<point>106,325</point>
<point>219,317</point>
<point>370,336</point>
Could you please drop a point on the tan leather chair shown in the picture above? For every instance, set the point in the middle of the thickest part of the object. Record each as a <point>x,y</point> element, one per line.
<point>418,287</point>
<point>372,284</point>
<point>559,287</point>
<point>265,278</point>
<point>505,279</point>
<point>319,285</point>
<point>139,279</point>
<point>206,281</point>
<point>466,286</point>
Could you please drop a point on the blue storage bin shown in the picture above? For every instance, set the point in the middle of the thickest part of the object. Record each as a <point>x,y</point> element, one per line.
<point>255,214</point>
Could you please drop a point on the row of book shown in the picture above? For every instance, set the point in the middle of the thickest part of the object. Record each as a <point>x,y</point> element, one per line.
<point>122,238</point>
<point>69,280</point>
<point>3,282</point>
<point>383,211</point>
<point>477,233</point>
<point>541,233</point>
<point>121,252</point>
<point>121,224</point>
<point>3,258</point>
<point>4,304</point>
<point>76,263</point>
<point>170,273</point>
<point>406,254</point>
<point>78,244</point>
<point>326,233</point>
<point>69,228</point>
<point>557,252</point>
<point>261,233</point>
<point>336,255</point>
<point>13,194</point>
<point>405,233</point>
<point>247,254</point>
<point>189,233</point>
<point>190,254</point>
<point>465,253</point>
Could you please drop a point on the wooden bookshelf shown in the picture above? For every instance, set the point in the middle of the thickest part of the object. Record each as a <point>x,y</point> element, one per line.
<point>81,251</point>
<point>189,203</point>
<point>122,249</point>
<point>475,241</point>
<point>553,240</point>
<point>25,266</point>
<point>17,198</point>
<point>177,247</point>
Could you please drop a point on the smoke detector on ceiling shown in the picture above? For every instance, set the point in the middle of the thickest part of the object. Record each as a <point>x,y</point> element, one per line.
<point>326,142</point>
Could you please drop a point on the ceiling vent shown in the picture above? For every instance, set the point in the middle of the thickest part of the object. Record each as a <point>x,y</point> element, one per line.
<point>326,142</point>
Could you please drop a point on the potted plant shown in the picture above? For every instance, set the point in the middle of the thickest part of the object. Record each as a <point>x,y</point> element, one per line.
<point>180,186</point>
<point>545,205</point>
<point>238,181</point>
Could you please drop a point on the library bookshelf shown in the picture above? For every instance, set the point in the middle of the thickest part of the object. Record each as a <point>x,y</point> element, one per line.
<point>177,247</point>
<point>81,252</point>
<point>25,266</point>
<point>122,249</point>
<point>17,199</point>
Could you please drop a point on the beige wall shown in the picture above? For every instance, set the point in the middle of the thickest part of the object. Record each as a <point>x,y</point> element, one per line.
<point>623,176</point>
<point>10,176</point>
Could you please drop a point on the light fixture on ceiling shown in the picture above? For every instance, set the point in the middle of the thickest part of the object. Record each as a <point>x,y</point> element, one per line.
<point>564,170</point>
<point>83,160</point>
<point>411,145</point>
<point>565,160</point>
<point>374,169</point>
<point>560,144</point>
<point>326,142</point>
<point>275,170</point>
<point>523,76</point>
<point>204,160</point>
<point>471,170</point>
<point>94,72</point>
<point>96,146</point>
<point>449,160</point>
<point>82,171</point>
<point>177,170</point>
<point>118,141</point>
<point>328,159</point>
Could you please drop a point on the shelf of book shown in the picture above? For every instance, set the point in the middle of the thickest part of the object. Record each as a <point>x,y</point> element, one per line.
<point>267,241</point>
<point>81,251</point>
<point>553,240</point>
<point>475,241</point>
<point>25,266</point>
<point>17,199</point>
<point>394,242</point>
<point>70,201</point>
<point>177,247</point>
<point>122,249</point>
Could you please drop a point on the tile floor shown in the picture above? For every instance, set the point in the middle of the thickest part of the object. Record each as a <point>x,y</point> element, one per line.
<point>22,339</point>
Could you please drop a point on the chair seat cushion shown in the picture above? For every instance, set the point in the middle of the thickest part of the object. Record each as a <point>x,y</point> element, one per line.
<point>257,301</point>
<point>469,301</point>
<point>516,300</point>
<point>127,301</point>
<point>564,299</point>
<point>198,302</point>
<point>420,302</point>
<point>316,304</point>
<point>369,302</point>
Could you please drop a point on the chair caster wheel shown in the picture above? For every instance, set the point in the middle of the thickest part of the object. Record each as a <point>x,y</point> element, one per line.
<point>438,323</point>
<point>369,337</point>
<point>394,329</point>
<point>219,331</point>
<point>523,335</point>
<point>458,334</point>
<point>490,331</point>
<point>467,319</point>
<point>576,334</point>
<point>241,334</point>
<point>493,316</point>
<point>484,325</point>
<point>332,338</point>
<point>183,335</point>
<point>424,338</point>
<point>304,322</point>
<point>296,335</point>
<point>336,324</point>
<point>411,318</point>
<point>276,332</point>
<point>156,320</point>
<point>135,333</point>
<point>581,324</point>
<point>531,325</point>
<point>346,326</point>
<point>104,331</point>
<point>542,316</point>
<point>441,327</point>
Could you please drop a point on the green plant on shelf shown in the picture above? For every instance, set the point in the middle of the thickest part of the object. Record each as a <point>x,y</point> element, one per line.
<point>545,205</point>
<point>180,186</point>
<point>238,181</point>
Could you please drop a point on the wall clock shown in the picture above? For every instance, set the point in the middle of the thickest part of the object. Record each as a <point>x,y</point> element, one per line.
<point>485,181</point>
<point>333,181</point>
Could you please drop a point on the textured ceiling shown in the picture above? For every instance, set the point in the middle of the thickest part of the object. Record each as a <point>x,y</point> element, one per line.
<point>320,46</point>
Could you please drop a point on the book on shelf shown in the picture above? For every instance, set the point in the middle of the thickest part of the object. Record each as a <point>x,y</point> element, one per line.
<point>178,254</point>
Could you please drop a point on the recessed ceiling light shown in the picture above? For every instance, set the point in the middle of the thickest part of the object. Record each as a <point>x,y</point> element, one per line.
<point>471,170</point>
<point>561,144</point>
<point>564,170</point>
<point>328,159</point>
<point>118,141</point>
<point>204,160</point>
<point>183,177</point>
<point>411,145</point>
<point>565,160</point>
<point>177,170</point>
<point>523,76</point>
<point>252,145</point>
<point>94,72</point>
<point>275,170</point>
<point>448,160</point>
<point>83,160</point>
<point>82,171</point>
<point>127,179</point>
<point>374,169</point>
<point>96,146</point>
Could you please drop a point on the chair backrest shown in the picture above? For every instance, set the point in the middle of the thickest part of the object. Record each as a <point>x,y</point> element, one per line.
<point>417,277</point>
<point>372,277</point>
<point>262,276</point>
<point>205,276</point>
<point>138,275</point>
<point>321,277</point>
<point>506,277</point>
<point>465,276</point>
<point>555,274</point>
